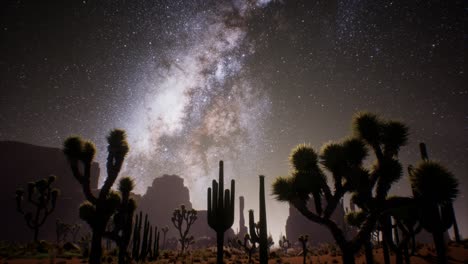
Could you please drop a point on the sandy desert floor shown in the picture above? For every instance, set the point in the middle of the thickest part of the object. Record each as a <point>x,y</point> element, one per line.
<point>457,254</point>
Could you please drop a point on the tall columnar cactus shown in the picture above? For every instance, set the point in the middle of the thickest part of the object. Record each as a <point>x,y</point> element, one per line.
<point>143,245</point>
<point>97,210</point>
<point>123,219</point>
<point>136,237</point>
<point>155,249</point>
<point>43,197</point>
<point>144,242</point>
<point>183,219</point>
<point>220,210</point>
<point>435,188</point>
<point>258,232</point>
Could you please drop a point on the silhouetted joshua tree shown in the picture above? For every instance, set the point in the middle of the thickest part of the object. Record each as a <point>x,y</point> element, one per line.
<point>405,215</point>
<point>344,160</point>
<point>220,210</point>
<point>183,220</point>
<point>43,197</point>
<point>258,231</point>
<point>435,188</point>
<point>356,219</point>
<point>123,219</point>
<point>97,210</point>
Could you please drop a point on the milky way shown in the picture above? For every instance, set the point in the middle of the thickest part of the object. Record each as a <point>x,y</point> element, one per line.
<point>198,107</point>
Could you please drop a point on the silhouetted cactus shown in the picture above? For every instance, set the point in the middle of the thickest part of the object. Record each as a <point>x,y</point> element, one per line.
<point>155,249</point>
<point>164,229</point>
<point>248,245</point>
<point>123,219</point>
<point>425,157</point>
<point>258,232</point>
<point>435,188</point>
<point>220,210</point>
<point>344,160</point>
<point>303,240</point>
<point>137,237</point>
<point>144,243</point>
<point>183,220</point>
<point>284,244</point>
<point>404,212</point>
<point>97,210</point>
<point>43,197</point>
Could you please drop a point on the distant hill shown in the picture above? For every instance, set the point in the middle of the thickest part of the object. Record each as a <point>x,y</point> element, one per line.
<point>21,163</point>
<point>167,193</point>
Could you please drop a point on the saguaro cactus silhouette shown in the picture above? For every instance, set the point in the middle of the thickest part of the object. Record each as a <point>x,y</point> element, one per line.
<point>97,210</point>
<point>43,197</point>
<point>220,210</point>
<point>183,220</point>
<point>258,232</point>
<point>344,160</point>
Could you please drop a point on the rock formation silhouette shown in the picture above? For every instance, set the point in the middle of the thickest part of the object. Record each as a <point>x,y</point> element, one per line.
<point>22,163</point>
<point>167,193</point>
<point>242,227</point>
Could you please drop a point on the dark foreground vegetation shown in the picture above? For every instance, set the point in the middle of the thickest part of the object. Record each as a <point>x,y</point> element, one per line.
<point>131,238</point>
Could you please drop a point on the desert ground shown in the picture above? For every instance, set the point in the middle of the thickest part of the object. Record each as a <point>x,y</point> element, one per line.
<point>458,253</point>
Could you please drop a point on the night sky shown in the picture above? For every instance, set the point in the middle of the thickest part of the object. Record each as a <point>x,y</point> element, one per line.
<point>245,81</point>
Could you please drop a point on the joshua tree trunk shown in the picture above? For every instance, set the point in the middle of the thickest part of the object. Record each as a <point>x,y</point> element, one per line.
<point>386,253</point>
<point>406,253</point>
<point>455,224</point>
<point>398,257</point>
<point>220,249</point>
<point>36,234</point>
<point>123,254</point>
<point>440,247</point>
<point>369,255</point>
<point>96,247</point>
<point>348,256</point>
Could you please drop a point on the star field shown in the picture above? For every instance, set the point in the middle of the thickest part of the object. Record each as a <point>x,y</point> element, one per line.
<point>193,82</point>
